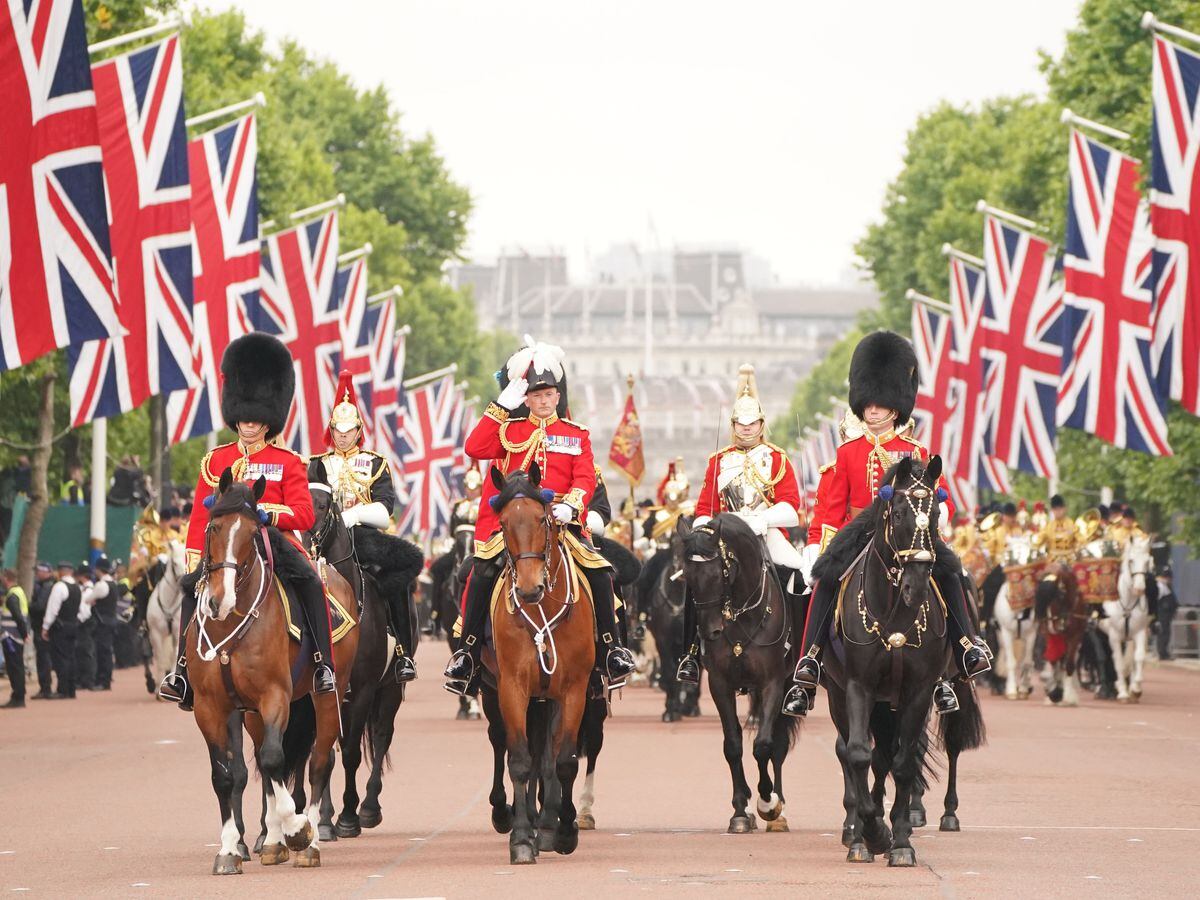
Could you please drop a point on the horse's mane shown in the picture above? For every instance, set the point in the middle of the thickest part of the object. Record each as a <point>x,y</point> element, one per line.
<point>517,484</point>
<point>238,497</point>
<point>726,525</point>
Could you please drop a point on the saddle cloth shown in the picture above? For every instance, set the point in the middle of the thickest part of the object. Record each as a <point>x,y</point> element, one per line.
<point>340,621</point>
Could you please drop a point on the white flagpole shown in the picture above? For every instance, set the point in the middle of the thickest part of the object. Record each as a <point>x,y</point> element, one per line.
<point>1069,118</point>
<point>309,212</point>
<point>926,300</point>
<point>121,40</point>
<point>1012,218</point>
<point>394,291</point>
<point>351,255</point>
<point>951,250</point>
<point>99,510</point>
<point>1150,22</point>
<point>418,380</point>
<point>259,99</point>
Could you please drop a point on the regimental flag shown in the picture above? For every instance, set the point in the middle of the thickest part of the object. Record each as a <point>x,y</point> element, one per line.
<point>56,277</point>
<point>298,305</point>
<point>626,450</point>
<point>1175,220</point>
<point>1022,326</point>
<point>357,325</point>
<point>139,107</point>
<point>224,209</point>
<point>428,442</point>
<point>1108,388</point>
<point>971,462</point>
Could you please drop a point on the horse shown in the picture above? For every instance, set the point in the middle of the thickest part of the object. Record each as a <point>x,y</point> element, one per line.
<point>448,577</point>
<point>880,679</point>
<point>1062,620</point>
<point>1127,621</point>
<point>1016,629</point>
<point>162,609</point>
<point>662,597</point>
<point>542,630</point>
<point>745,624</point>
<point>334,542</point>
<point>235,667</point>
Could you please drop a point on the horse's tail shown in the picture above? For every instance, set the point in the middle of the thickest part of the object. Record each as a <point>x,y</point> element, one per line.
<point>298,739</point>
<point>370,738</point>
<point>926,772</point>
<point>1044,595</point>
<point>964,729</point>
<point>784,725</point>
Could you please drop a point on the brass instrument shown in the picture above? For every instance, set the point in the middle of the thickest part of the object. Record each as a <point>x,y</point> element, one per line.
<point>990,521</point>
<point>1088,524</point>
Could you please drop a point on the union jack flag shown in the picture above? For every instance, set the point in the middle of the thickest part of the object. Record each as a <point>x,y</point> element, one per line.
<point>1175,219</point>
<point>139,106</point>
<point>1022,326</point>
<point>56,277</point>
<point>388,401</point>
<point>298,305</point>
<point>357,325</point>
<point>429,442</point>
<point>1108,387</point>
<point>222,166</point>
<point>972,464</point>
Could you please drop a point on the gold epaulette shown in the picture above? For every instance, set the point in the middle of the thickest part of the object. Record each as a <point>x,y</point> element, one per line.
<point>578,425</point>
<point>205,472</point>
<point>776,447</point>
<point>825,468</point>
<point>722,451</point>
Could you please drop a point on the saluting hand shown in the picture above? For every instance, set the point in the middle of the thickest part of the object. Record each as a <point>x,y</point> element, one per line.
<point>514,395</point>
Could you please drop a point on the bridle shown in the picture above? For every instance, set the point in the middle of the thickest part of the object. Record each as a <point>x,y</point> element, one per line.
<point>329,522</point>
<point>258,561</point>
<point>729,613</point>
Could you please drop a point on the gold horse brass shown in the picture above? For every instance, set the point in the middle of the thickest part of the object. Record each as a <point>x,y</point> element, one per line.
<point>897,640</point>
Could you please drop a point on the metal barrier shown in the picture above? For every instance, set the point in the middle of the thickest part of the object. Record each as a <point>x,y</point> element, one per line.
<point>1185,633</point>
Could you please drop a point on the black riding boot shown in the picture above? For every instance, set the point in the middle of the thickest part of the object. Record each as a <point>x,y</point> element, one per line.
<point>819,615</point>
<point>295,568</point>
<point>688,670</point>
<point>616,660</point>
<point>175,687</point>
<point>465,660</point>
<point>970,652</point>
<point>945,701</point>
<point>403,668</point>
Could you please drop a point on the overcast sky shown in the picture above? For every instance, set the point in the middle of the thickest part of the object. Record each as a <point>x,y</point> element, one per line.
<point>775,126</point>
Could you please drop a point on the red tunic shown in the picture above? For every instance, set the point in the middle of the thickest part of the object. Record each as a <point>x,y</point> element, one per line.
<point>855,478</point>
<point>286,497</point>
<point>561,448</point>
<point>779,487</point>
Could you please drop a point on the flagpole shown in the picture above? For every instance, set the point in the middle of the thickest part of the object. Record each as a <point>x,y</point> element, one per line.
<point>1150,22</point>
<point>98,511</point>
<point>984,207</point>
<point>1069,118</point>
<point>309,212</point>
<point>926,300</point>
<point>259,99</point>
<point>351,255</point>
<point>121,40</point>
<point>951,250</point>
<point>394,291</point>
<point>418,380</point>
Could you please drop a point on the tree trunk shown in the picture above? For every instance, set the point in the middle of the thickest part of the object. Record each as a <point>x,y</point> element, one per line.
<point>39,497</point>
<point>159,467</point>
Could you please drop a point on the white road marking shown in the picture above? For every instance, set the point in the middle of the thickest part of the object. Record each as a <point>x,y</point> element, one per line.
<point>1084,827</point>
<point>619,871</point>
<point>140,884</point>
<point>623,834</point>
<point>7,852</point>
<point>1136,841</point>
<point>163,743</point>
<point>1028,838</point>
<point>112,848</point>
<point>1093,877</point>
<point>970,873</point>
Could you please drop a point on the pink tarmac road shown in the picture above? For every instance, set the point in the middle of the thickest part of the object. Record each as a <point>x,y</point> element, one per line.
<point>109,795</point>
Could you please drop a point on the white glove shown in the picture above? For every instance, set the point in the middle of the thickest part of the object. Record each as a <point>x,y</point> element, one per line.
<point>808,556</point>
<point>562,512</point>
<point>350,516</point>
<point>514,395</point>
<point>701,520</point>
<point>756,521</point>
<point>594,522</point>
<point>374,514</point>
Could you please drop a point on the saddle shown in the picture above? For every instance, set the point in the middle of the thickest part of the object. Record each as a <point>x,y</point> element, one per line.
<point>340,620</point>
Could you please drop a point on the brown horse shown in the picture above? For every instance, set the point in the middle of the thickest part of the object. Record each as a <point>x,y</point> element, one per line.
<point>542,627</point>
<point>240,657</point>
<point>1062,617</point>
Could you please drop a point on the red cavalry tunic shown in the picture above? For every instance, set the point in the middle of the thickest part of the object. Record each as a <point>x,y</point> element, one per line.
<point>854,479</point>
<point>286,497</point>
<point>773,475</point>
<point>561,448</point>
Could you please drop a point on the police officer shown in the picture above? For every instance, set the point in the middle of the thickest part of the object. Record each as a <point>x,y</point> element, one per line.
<point>85,637</point>
<point>103,600</point>
<point>43,582</point>
<point>60,628</point>
<point>14,632</point>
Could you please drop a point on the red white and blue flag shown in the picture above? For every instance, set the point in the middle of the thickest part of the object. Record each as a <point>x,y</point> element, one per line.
<point>222,166</point>
<point>298,305</point>
<point>139,107</point>
<point>357,325</point>
<point>387,400</point>
<point>1108,386</point>
<point>1175,220</point>
<point>1022,328</point>
<point>429,442</point>
<point>56,276</point>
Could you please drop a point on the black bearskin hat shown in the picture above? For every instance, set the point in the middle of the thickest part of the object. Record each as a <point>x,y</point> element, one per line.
<point>883,371</point>
<point>1057,502</point>
<point>258,382</point>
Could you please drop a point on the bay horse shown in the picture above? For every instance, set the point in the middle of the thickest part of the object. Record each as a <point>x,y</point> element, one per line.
<point>1062,615</point>
<point>745,623</point>
<point>240,657</point>
<point>880,677</point>
<point>662,598</point>
<point>543,634</point>
<point>1127,619</point>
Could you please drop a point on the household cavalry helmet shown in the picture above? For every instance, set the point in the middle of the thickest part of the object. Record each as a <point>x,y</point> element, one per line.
<point>674,487</point>
<point>746,408</point>
<point>345,416</point>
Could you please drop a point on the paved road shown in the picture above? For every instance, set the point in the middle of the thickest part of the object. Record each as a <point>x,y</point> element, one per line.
<point>109,796</point>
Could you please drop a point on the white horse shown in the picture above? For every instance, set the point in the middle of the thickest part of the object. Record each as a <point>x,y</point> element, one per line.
<point>1127,621</point>
<point>1017,631</point>
<point>162,610</point>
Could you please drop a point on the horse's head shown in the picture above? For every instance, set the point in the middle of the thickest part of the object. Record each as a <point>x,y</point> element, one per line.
<point>906,523</point>
<point>1055,597</point>
<point>522,507</point>
<point>714,558</point>
<point>230,546</point>
<point>1138,563</point>
<point>326,510</point>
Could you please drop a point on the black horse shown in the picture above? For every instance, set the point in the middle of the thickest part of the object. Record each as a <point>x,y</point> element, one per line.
<point>889,651</point>
<point>662,591</point>
<point>745,621</point>
<point>448,575</point>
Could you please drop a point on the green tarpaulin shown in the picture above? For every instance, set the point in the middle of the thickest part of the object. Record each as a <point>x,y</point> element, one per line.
<point>65,532</point>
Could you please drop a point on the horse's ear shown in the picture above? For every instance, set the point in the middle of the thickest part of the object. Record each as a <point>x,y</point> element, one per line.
<point>933,469</point>
<point>497,478</point>
<point>535,474</point>
<point>683,526</point>
<point>226,480</point>
<point>905,467</point>
<point>316,471</point>
<point>260,487</point>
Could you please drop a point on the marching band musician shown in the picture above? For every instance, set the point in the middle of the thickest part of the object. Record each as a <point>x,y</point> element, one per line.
<point>883,387</point>
<point>1059,536</point>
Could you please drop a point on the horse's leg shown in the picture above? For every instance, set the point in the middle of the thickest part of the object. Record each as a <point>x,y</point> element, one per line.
<point>1118,657</point>
<point>1070,676</point>
<point>671,687</point>
<point>564,745</point>
<point>241,777</point>
<point>916,803</point>
<point>514,706</point>
<point>542,722</point>
<point>320,767</point>
<point>906,771</point>
<point>781,741</point>
<point>252,722</point>
<point>1139,661</point>
<point>593,732</point>
<point>297,832</point>
<point>1010,662</point>
<point>859,705</point>
<point>726,702</point>
<point>356,713</point>
<point>382,725</point>
<point>213,724</point>
<point>769,803</point>
<point>950,813</point>
<point>502,811</point>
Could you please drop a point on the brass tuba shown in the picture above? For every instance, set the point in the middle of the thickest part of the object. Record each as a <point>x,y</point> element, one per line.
<point>1088,524</point>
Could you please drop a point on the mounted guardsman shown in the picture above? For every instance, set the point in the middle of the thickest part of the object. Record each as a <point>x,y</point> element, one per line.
<point>883,388</point>
<point>362,485</point>
<point>523,426</point>
<point>754,479</point>
<point>466,510</point>
<point>673,502</point>
<point>256,393</point>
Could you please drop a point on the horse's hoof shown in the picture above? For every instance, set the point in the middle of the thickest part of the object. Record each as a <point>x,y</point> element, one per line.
<point>691,712</point>
<point>878,839</point>
<point>670,716</point>
<point>741,825</point>
<point>545,840</point>
<point>301,838</point>
<point>502,819</point>
<point>1121,699</point>
<point>1012,696</point>
<point>461,715</point>
<point>950,823</point>
<point>916,818</point>
<point>903,857</point>
<point>1135,694</point>
<point>777,825</point>
<point>522,855</point>
<point>258,844</point>
<point>586,822</point>
<point>227,864</point>
<point>326,832</point>
<point>771,808</point>
<point>347,827</point>
<point>369,818</point>
<point>308,858</point>
<point>847,837</point>
<point>274,855</point>
<point>243,850</point>
<point>859,853</point>
<point>152,688</point>
<point>565,842</point>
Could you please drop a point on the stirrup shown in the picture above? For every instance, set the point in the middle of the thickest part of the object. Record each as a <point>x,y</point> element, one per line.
<point>796,702</point>
<point>403,669</point>
<point>688,670</point>
<point>983,645</point>
<point>808,672</point>
<point>323,680</point>
<point>945,701</point>
<point>461,666</point>
<point>176,689</point>
<point>977,664</point>
<point>619,663</point>
<point>458,686</point>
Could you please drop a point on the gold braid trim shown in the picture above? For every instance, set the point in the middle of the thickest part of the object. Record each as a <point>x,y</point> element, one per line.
<point>574,499</point>
<point>529,446</point>
<point>497,412</point>
<point>205,472</point>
